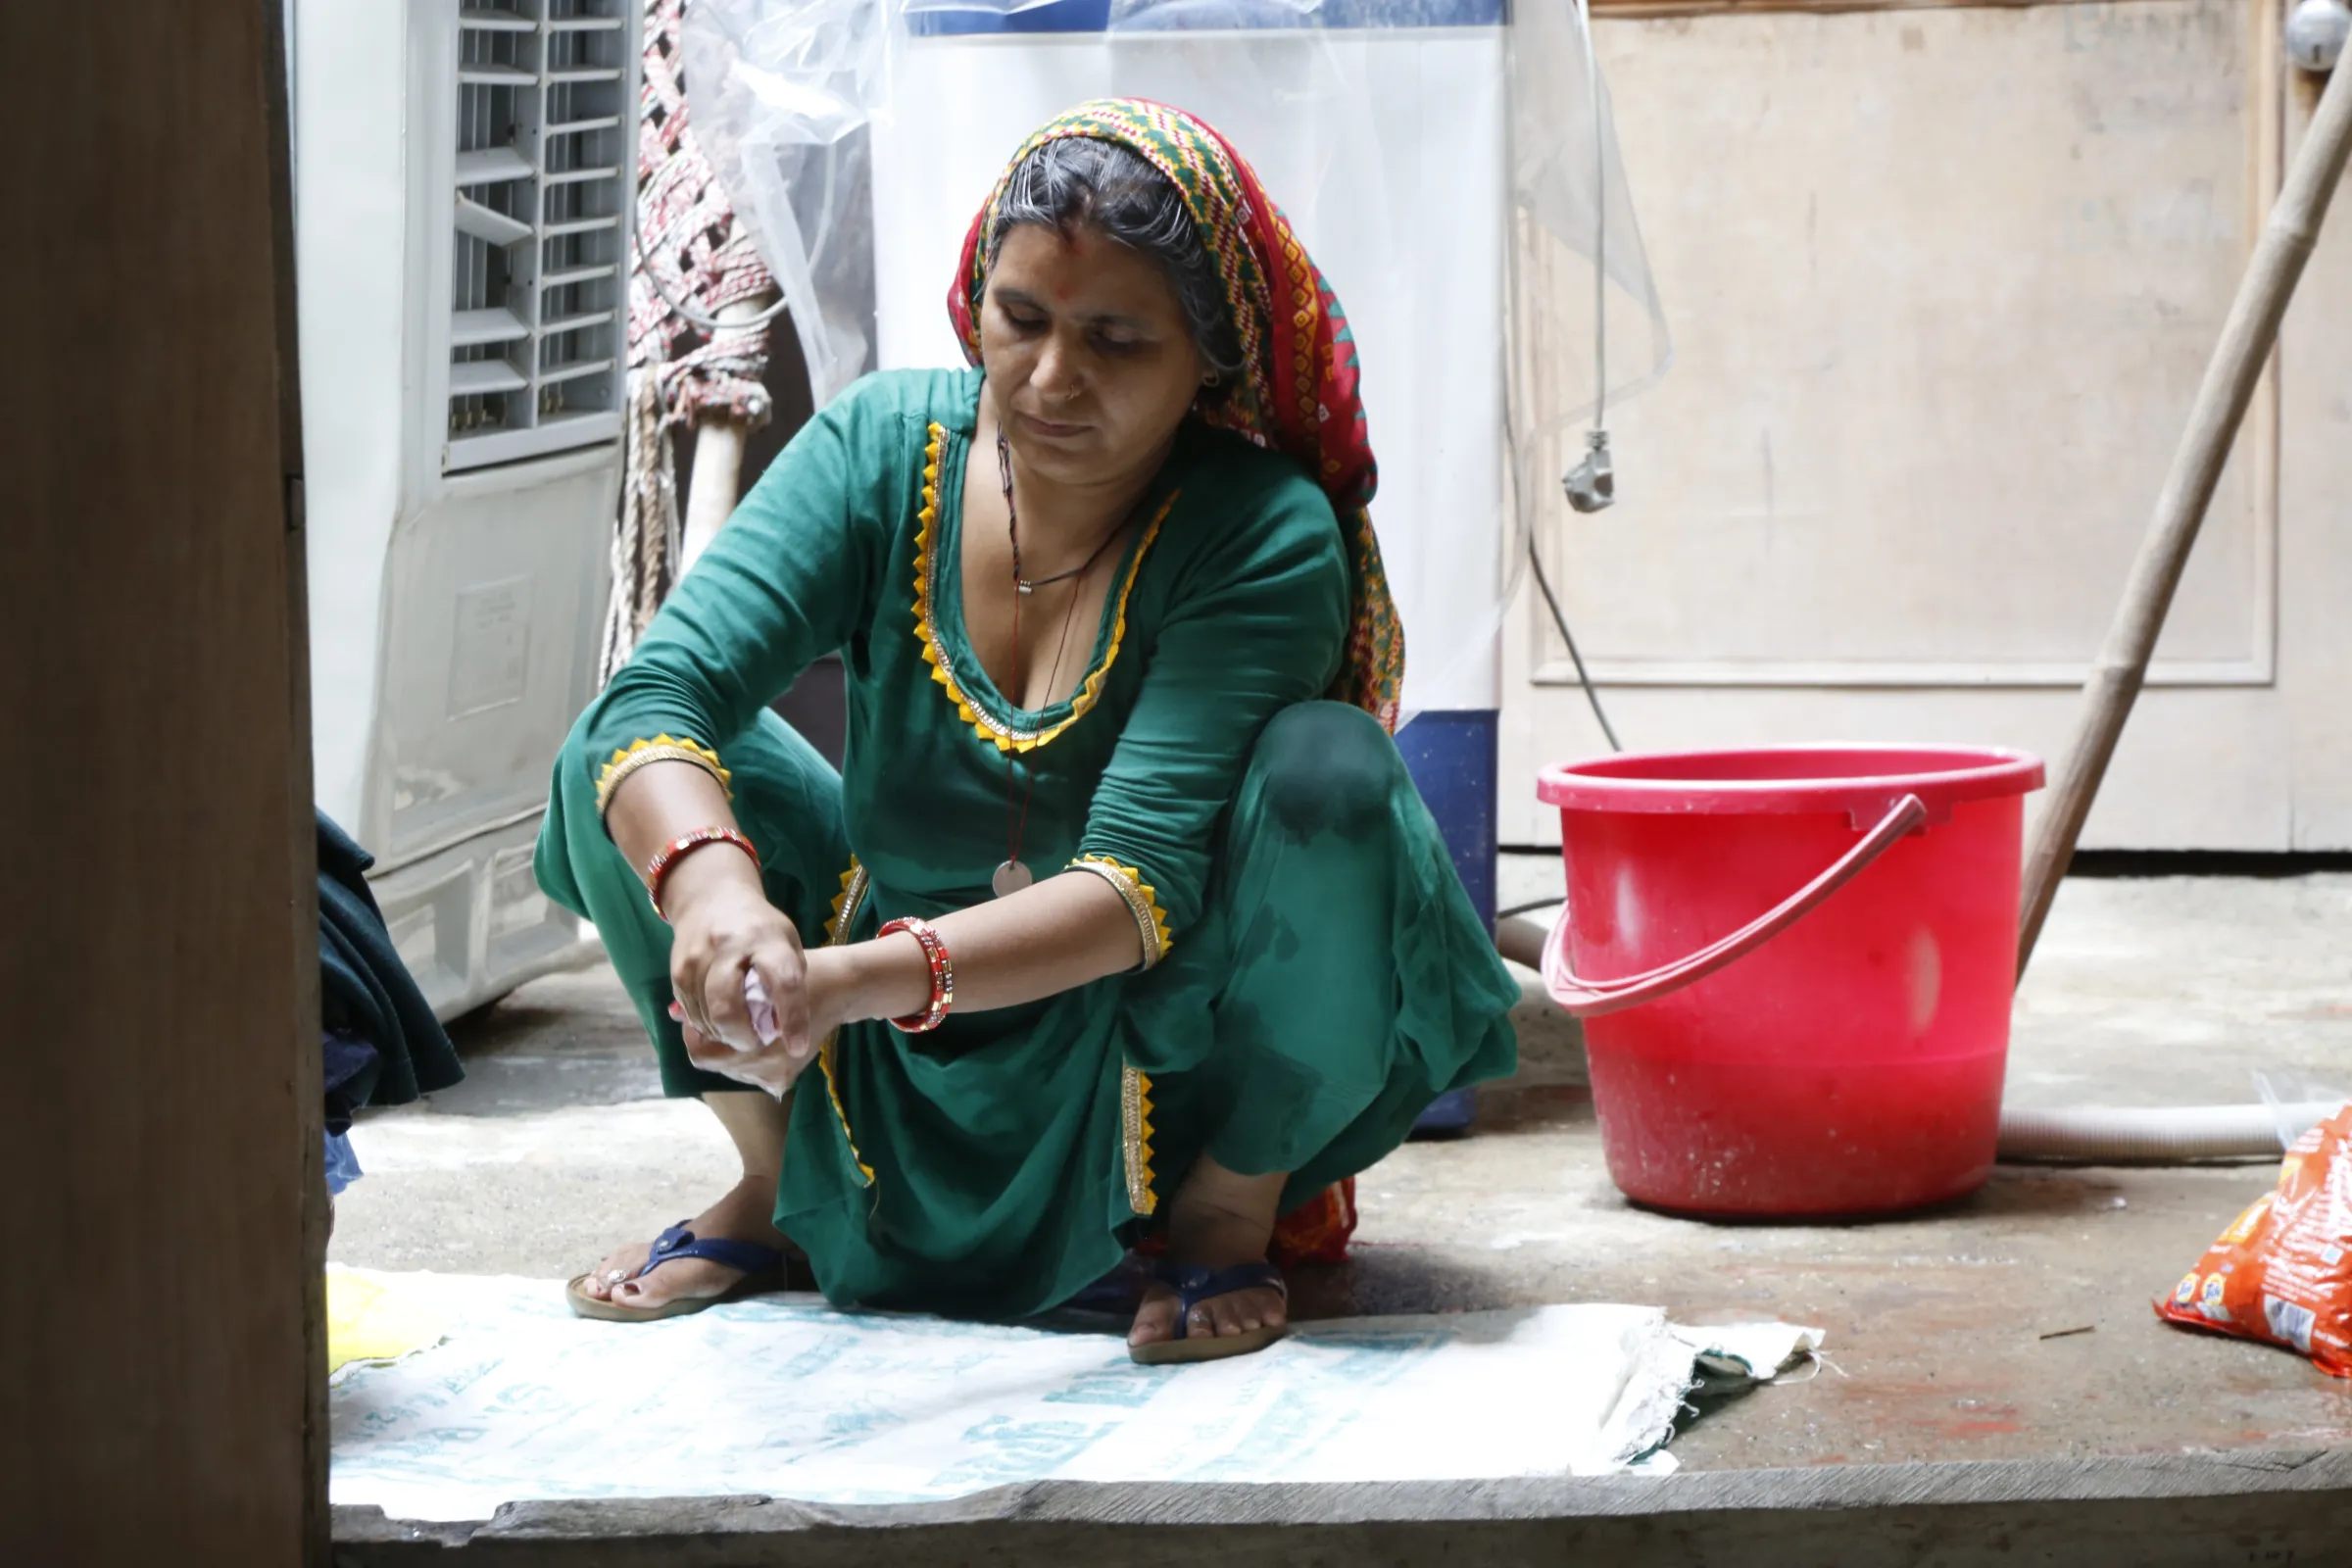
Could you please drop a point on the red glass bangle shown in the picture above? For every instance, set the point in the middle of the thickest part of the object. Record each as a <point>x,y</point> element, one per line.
<point>658,869</point>
<point>943,976</point>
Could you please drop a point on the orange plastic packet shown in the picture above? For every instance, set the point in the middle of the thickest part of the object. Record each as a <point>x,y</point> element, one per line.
<point>2282,1272</point>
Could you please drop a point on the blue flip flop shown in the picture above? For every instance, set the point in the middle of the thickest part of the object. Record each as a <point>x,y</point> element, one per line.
<point>1195,1285</point>
<point>763,1270</point>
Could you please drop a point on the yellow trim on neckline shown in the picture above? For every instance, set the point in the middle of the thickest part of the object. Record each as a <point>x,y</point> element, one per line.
<point>1004,735</point>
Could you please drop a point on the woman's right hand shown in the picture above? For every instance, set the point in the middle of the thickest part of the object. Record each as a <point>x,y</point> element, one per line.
<point>722,928</point>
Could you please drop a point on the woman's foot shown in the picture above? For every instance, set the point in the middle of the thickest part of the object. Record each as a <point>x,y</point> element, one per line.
<point>744,1214</point>
<point>1216,1220</point>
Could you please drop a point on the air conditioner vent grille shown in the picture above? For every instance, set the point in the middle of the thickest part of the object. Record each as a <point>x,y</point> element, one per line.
<point>537,287</point>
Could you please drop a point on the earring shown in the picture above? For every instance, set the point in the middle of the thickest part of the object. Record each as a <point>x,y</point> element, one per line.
<point>1211,379</point>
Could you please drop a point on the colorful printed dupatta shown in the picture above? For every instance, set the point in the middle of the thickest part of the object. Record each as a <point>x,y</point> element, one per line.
<point>1298,393</point>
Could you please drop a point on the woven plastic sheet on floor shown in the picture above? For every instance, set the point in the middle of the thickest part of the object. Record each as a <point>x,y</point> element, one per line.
<point>785,1396</point>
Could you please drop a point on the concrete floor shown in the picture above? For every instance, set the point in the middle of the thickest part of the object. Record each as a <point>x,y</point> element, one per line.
<point>2013,1326</point>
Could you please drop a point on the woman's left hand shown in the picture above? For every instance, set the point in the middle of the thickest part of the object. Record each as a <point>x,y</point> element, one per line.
<point>773,1066</point>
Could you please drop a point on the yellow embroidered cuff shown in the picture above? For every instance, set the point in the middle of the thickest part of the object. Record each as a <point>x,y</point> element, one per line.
<point>660,748</point>
<point>1143,901</point>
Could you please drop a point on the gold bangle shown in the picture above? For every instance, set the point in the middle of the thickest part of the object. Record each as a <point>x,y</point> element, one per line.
<point>1143,901</point>
<point>660,748</point>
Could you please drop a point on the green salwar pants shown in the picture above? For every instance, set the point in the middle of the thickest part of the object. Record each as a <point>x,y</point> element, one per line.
<point>1337,982</point>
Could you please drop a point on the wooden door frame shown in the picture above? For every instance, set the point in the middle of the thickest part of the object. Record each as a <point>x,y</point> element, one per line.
<point>167,1387</point>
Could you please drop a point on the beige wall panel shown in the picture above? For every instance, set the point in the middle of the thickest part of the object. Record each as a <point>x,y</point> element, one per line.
<point>2201,757</point>
<point>1943,284</point>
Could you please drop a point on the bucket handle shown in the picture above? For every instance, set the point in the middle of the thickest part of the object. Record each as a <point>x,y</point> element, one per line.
<point>1590,999</point>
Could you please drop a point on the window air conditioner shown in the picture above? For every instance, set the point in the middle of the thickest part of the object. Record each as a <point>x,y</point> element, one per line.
<point>462,175</point>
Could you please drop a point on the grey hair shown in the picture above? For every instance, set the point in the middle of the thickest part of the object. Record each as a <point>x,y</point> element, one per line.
<point>1078,179</point>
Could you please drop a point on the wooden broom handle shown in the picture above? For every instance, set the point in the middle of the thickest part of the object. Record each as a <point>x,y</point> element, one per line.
<point>2247,338</point>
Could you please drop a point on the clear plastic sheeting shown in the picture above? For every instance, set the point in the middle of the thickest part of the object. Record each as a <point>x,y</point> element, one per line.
<point>1442,160</point>
<point>783,96</point>
<point>1586,325</point>
<point>1573,215</point>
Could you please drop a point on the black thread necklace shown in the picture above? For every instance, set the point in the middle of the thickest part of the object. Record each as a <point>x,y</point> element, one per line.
<point>1013,524</point>
<point>1014,874</point>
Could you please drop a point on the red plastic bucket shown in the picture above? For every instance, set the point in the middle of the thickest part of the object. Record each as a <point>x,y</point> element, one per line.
<point>1795,966</point>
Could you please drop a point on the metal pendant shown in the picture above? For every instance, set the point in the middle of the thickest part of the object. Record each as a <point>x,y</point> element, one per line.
<point>1010,878</point>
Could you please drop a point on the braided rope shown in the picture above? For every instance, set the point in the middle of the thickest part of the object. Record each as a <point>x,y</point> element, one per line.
<point>686,227</point>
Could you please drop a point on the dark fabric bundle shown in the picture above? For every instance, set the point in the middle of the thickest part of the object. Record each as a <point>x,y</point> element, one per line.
<point>369,1007</point>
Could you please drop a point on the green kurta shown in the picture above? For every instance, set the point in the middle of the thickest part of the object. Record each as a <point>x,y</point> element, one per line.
<point>1324,976</point>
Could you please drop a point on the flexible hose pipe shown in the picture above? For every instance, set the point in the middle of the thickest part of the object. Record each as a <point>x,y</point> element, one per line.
<point>2087,1135</point>
<point>1520,940</point>
<point>2156,1136</point>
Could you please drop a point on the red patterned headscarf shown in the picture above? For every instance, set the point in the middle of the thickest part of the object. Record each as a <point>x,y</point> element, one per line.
<point>1297,391</point>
